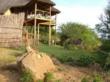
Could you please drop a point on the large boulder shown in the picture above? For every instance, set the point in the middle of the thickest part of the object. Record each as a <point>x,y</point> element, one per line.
<point>37,63</point>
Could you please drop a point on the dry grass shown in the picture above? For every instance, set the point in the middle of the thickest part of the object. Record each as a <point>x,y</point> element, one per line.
<point>8,55</point>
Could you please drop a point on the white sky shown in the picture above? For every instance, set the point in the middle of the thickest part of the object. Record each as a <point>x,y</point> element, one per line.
<point>85,14</point>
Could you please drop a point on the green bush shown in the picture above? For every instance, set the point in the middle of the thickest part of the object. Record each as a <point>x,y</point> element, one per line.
<point>107,63</point>
<point>85,80</point>
<point>26,76</point>
<point>105,45</point>
<point>105,49</point>
<point>69,45</point>
<point>98,78</point>
<point>79,36</point>
<point>48,77</point>
<point>84,60</point>
<point>80,58</point>
<point>94,78</point>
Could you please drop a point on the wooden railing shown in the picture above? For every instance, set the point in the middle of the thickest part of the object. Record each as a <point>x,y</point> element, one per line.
<point>40,15</point>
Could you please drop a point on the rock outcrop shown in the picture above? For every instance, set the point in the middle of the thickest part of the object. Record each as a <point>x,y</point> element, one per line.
<point>37,63</point>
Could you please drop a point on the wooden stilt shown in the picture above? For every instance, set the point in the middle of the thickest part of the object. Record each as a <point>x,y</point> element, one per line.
<point>55,29</point>
<point>35,22</point>
<point>49,34</point>
<point>50,27</point>
<point>38,31</point>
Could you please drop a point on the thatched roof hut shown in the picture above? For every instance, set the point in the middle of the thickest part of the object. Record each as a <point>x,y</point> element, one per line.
<point>32,8</point>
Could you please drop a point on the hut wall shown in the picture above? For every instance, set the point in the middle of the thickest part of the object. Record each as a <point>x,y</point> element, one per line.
<point>11,30</point>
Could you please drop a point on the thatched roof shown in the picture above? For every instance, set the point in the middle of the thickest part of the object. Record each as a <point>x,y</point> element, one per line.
<point>55,11</point>
<point>47,1</point>
<point>6,4</point>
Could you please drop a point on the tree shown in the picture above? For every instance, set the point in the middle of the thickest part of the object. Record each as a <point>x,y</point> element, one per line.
<point>104,27</point>
<point>75,35</point>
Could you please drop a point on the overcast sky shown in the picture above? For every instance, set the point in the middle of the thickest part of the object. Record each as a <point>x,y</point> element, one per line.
<point>82,11</point>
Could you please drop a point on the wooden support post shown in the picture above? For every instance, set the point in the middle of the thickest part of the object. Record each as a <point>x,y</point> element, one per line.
<point>38,33</point>
<point>55,29</point>
<point>35,22</point>
<point>49,35</point>
<point>50,27</point>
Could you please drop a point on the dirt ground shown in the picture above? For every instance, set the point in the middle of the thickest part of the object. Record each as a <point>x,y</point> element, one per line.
<point>9,76</point>
<point>65,72</point>
<point>69,75</point>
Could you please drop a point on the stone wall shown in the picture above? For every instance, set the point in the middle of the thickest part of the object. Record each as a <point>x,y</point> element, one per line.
<point>11,30</point>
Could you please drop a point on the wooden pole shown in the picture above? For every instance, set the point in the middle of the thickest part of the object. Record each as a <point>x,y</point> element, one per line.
<point>35,22</point>
<point>55,29</point>
<point>49,34</point>
<point>50,27</point>
<point>38,33</point>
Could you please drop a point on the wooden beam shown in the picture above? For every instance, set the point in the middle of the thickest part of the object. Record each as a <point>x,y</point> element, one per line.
<point>35,22</point>
<point>50,27</point>
<point>38,33</point>
<point>47,23</point>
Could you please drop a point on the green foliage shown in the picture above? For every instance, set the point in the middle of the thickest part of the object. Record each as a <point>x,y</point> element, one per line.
<point>85,79</point>
<point>104,27</point>
<point>98,78</point>
<point>48,77</point>
<point>105,45</point>
<point>78,36</point>
<point>44,34</point>
<point>99,58</point>
<point>94,78</point>
<point>105,49</point>
<point>107,63</point>
<point>85,60</point>
<point>40,81</point>
<point>26,76</point>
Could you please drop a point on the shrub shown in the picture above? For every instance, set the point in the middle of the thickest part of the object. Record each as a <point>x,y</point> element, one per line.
<point>79,57</point>
<point>97,78</point>
<point>26,76</point>
<point>94,78</point>
<point>107,63</point>
<point>84,60</point>
<point>105,45</point>
<point>48,77</point>
<point>85,79</point>
<point>78,35</point>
